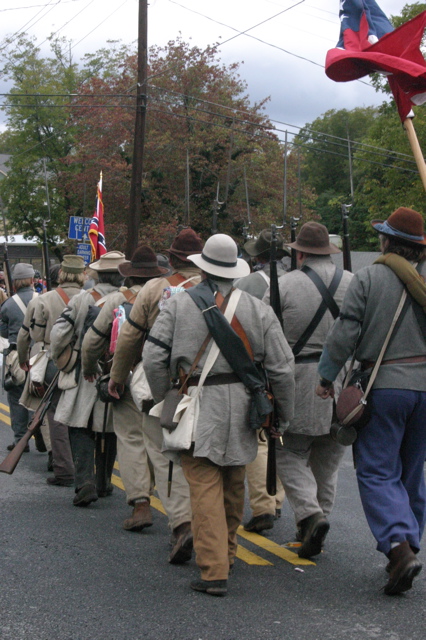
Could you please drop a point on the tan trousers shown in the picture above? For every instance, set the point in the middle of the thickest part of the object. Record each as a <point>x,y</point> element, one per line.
<point>217,500</point>
<point>131,451</point>
<point>260,500</point>
<point>308,467</point>
<point>140,435</point>
<point>178,506</point>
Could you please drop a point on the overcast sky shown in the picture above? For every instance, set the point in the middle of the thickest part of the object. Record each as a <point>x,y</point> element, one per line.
<point>298,88</point>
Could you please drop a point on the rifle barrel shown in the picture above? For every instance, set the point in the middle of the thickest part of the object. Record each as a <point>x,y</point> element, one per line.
<point>11,460</point>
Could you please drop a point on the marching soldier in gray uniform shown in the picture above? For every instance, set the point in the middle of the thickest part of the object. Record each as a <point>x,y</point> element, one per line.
<point>127,418</point>
<point>309,458</point>
<point>265,508</point>
<point>39,320</point>
<point>222,440</point>
<point>130,341</point>
<point>12,314</point>
<point>78,406</point>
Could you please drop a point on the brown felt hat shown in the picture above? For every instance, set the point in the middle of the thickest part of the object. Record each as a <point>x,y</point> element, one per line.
<point>313,238</point>
<point>185,244</point>
<point>405,224</point>
<point>263,243</point>
<point>72,264</point>
<point>144,264</point>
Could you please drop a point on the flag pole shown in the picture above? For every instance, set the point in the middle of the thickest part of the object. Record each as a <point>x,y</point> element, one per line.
<point>415,147</point>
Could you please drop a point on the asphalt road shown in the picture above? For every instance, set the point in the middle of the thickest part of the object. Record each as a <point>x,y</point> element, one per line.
<point>69,573</point>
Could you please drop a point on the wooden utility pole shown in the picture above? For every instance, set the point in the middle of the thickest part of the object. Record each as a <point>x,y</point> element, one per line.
<point>134,219</point>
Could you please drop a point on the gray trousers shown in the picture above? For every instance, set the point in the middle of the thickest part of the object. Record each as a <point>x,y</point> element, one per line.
<point>63,466</point>
<point>84,444</point>
<point>83,453</point>
<point>308,467</point>
<point>19,416</point>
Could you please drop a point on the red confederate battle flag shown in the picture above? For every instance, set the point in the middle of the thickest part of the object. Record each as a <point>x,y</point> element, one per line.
<point>96,229</point>
<point>369,43</point>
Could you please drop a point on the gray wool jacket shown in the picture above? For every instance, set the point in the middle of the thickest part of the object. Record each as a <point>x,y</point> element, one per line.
<point>222,432</point>
<point>368,310</point>
<point>11,316</point>
<point>300,300</point>
<point>76,405</point>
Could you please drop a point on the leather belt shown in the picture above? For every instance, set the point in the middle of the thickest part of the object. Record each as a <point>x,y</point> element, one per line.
<point>368,364</point>
<point>307,359</point>
<point>220,378</point>
<point>147,405</point>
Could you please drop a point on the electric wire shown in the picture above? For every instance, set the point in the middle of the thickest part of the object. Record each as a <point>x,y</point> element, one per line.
<point>249,35</point>
<point>317,136</point>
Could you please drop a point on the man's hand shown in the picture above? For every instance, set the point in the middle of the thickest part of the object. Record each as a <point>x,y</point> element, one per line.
<point>325,392</point>
<point>25,366</point>
<point>91,378</point>
<point>115,388</point>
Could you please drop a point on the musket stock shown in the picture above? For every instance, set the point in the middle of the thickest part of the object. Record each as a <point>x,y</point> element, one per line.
<point>11,460</point>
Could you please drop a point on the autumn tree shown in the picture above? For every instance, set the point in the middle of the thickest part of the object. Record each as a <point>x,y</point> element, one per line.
<point>80,118</point>
<point>199,118</point>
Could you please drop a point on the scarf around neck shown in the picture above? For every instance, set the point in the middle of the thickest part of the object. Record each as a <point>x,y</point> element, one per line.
<point>408,275</point>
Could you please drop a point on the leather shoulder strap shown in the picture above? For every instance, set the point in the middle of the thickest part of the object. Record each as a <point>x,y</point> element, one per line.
<point>328,302</point>
<point>130,295</point>
<point>177,278</point>
<point>63,295</point>
<point>236,325</point>
<point>95,295</point>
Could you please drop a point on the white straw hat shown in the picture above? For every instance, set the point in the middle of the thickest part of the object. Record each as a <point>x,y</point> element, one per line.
<point>220,258</point>
<point>110,261</point>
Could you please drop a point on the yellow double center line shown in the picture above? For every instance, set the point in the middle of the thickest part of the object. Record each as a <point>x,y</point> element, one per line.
<point>4,418</point>
<point>243,553</point>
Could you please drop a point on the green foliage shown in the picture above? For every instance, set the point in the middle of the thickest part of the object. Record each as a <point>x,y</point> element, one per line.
<point>195,104</point>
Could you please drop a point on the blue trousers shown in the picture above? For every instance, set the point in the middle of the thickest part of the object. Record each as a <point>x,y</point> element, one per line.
<point>390,455</point>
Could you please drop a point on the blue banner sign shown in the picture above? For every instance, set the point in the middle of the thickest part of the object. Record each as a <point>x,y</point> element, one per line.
<point>79,227</point>
<point>85,251</point>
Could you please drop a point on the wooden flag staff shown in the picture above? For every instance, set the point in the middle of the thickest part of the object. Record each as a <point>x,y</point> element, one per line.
<point>417,152</point>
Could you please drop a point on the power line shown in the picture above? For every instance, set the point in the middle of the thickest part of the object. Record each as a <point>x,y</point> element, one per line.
<point>191,118</point>
<point>101,23</point>
<point>317,136</point>
<point>35,6</point>
<point>67,23</point>
<point>312,131</point>
<point>269,44</point>
<point>9,39</point>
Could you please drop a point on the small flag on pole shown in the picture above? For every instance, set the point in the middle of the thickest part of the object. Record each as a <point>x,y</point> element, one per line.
<point>368,43</point>
<point>96,229</point>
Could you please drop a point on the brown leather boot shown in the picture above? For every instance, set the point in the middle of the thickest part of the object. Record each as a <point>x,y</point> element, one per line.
<point>182,549</point>
<point>140,518</point>
<point>403,568</point>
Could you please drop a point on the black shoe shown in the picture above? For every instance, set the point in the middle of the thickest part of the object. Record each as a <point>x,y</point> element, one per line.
<point>404,567</point>
<point>10,447</point>
<point>39,442</point>
<point>212,587</point>
<point>260,523</point>
<point>50,461</point>
<point>315,529</point>
<point>58,482</point>
<point>104,493</point>
<point>85,495</point>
